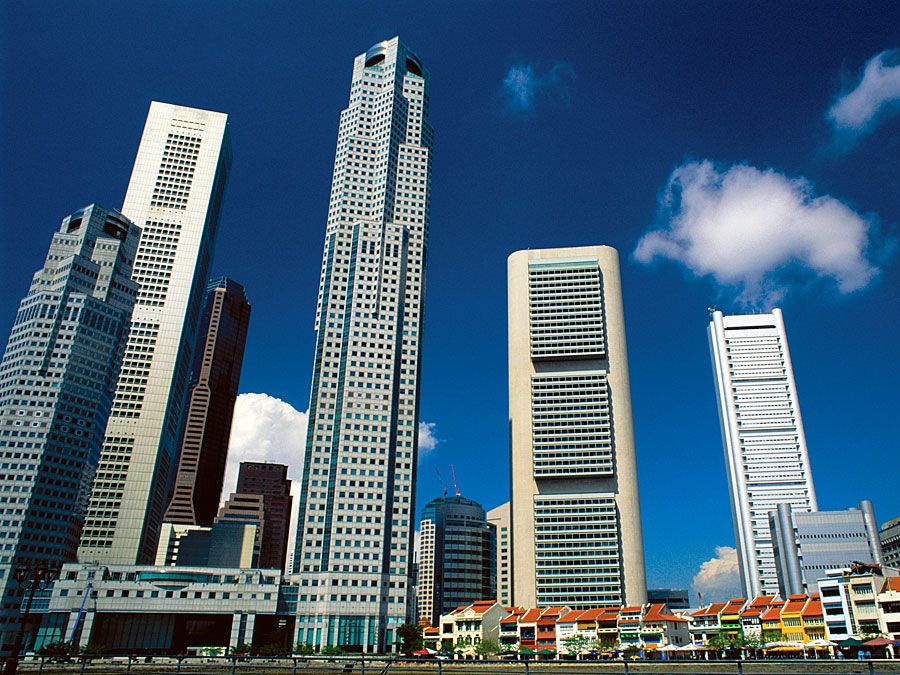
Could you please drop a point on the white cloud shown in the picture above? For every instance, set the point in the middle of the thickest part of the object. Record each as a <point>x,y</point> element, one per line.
<point>754,230</point>
<point>877,91</point>
<point>522,85</point>
<point>719,578</point>
<point>427,440</point>
<point>265,429</point>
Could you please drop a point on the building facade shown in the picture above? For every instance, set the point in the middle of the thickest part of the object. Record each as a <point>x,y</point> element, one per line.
<point>357,500</point>
<point>576,525</point>
<point>56,381</point>
<point>762,436</point>
<point>174,195</point>
<point>216,375</point>
<point>269,483</point>
<point>889,534</point>
<point>499,518</point>
<point>461,565</point>
<point>807,544</point>
<point>673,598</point>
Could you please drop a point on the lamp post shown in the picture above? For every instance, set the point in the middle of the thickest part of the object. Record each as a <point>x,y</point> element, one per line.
<point>31,576</point>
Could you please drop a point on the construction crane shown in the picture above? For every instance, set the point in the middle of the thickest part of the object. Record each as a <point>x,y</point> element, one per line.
<point>441,481</point>
<point>455,486</point>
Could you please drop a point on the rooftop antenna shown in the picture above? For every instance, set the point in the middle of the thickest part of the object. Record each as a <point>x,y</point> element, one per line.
<point>441,481</point>
<point>455,486</point>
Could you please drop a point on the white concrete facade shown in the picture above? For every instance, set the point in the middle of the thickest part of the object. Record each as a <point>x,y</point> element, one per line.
<point>762,435</point>
<point>174,194</point>
<point>354,544</point>
<point>576,525</point>
<point>499,516</point>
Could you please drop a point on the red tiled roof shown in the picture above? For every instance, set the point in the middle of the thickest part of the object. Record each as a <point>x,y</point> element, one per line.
<point>596,613</point>
<point>575,615</point>
<point>432,631</point>
<point>773,613</point>
<point>530,616</point>
<point>657,613</point>
<point>892,584</point>
<point>711,610</point>
<point>734,606</point>
<point>631,609</point>
<point>795,603</point>
<point>813,607</point>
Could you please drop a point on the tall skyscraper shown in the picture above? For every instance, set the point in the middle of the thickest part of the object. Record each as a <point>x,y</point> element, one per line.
<point>889,534</point>
<point>56,383</point>
<point>357,501</point>
<point>576,518</point>
<point>762,435</point>
<point>499,518</point>
<point>457,557</point>
<point>175,194</point>
<point>216,375</point>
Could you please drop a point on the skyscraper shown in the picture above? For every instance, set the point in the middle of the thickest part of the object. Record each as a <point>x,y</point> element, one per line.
<point>175,194</point>
<point>216,375</point>
<point>457,557</point>
<point>576,520</point>
<point>56,383</point>
<point>357,500</point>
<point>499,518</point>
<point>762,435</point>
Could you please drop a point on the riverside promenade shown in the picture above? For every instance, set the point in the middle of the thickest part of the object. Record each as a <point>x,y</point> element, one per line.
<point>393,666</point>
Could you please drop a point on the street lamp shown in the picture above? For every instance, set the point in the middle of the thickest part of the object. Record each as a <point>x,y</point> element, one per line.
<point>31,576</point>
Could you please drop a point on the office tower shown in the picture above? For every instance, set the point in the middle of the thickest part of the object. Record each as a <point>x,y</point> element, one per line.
<point>806,544</point>
<point>270,483</point>
<point>576,519</point>
<point>175,194</point>
<point>216,374</point>
<point>673,598</point>
<point>889,534</point>
<point>56,383</point>
<point>499,518</point>
<point>357,498</point>
<point>762,435</point>
<point>228,543</point>
<point>457,557</point>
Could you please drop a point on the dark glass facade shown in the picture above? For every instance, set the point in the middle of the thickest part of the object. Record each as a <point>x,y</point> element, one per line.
<point>465,554</point>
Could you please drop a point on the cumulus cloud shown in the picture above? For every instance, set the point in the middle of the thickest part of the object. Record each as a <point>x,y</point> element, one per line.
<point>876,93</point>
<point>523,86</point>
<point>265,429</point>
<point>719,577</point>
<point>427,440</point>
<point>758,230</point>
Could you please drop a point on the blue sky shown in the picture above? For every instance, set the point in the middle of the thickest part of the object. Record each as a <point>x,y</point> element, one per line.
<point>556,124</point>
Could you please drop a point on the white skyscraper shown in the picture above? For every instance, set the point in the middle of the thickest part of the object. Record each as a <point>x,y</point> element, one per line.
<point>353,556</point>
<point>175,194</point>
<point>762,435</point>
<point>576,521</point>
<point>56,383</point>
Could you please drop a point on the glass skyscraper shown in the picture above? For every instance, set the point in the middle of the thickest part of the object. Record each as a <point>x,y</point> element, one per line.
<point>457,557</point>
<point>353,553</point>
<point>57,379</point>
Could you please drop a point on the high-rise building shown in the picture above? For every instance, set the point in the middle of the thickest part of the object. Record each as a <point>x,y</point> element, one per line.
<point>175,195</point>
<point>216,374</point>
<point>457,557</point>
<point>270,482</point>
<point>673,598</point>
<point>499,518</point>
<point>576,520</point>
<point>807,544</point>
<point>56,384</point>
<point>889,534</point>
<point>357,500</point>
<point>762,435</point>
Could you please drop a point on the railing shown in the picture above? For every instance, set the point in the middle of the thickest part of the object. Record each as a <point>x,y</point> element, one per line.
<point>385,665</point>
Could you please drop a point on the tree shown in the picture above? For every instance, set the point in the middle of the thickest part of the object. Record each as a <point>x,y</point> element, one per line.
<point>304,649</point>
<point>331,650</point>
<point>59,651</point>
<point>487,647</point>
<point>410,635</point>
<point>578,643</point>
